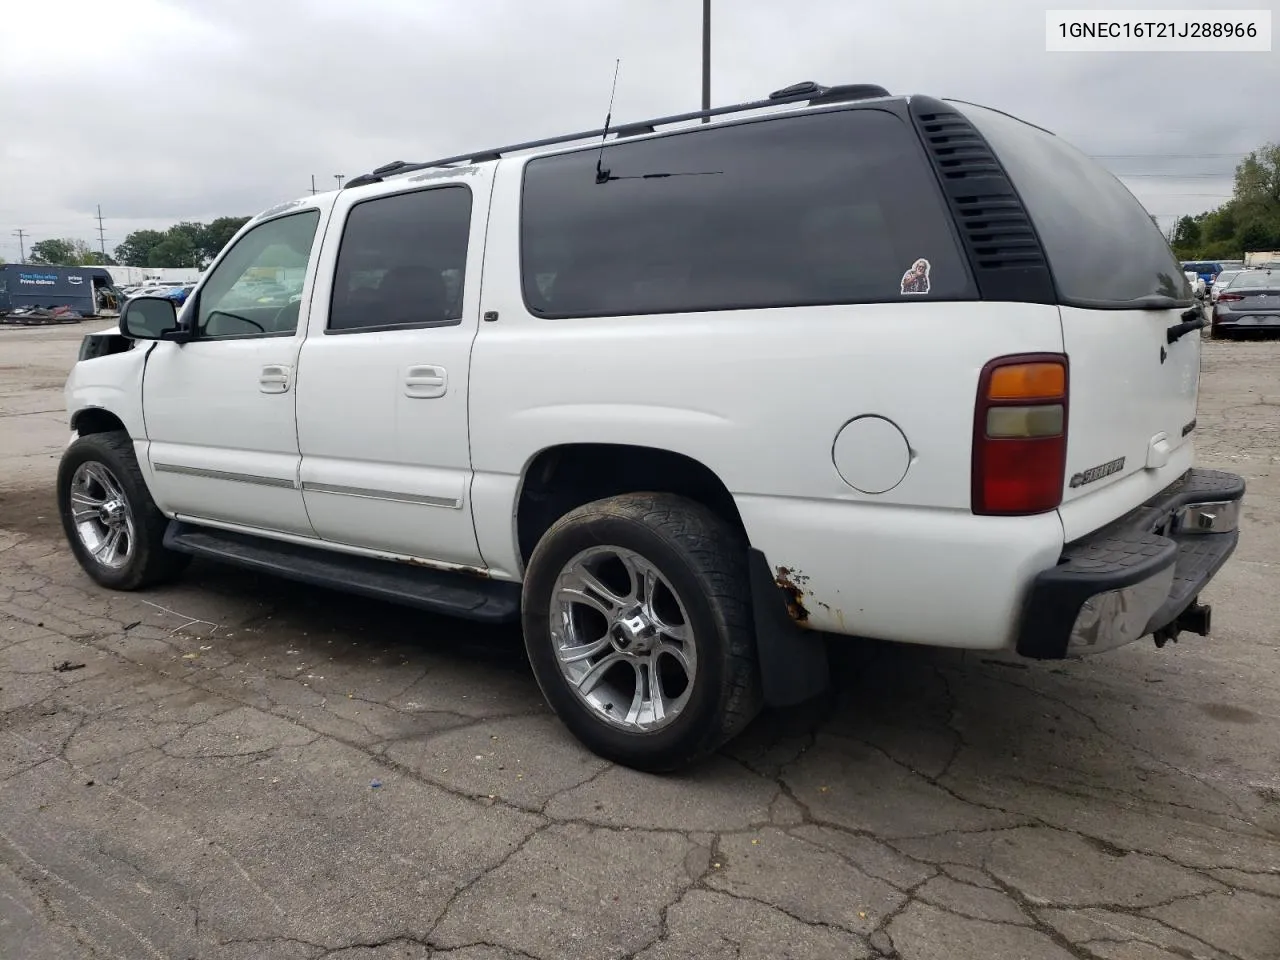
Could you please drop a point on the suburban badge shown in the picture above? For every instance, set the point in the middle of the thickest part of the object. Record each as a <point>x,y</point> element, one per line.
<point>1097,473</point>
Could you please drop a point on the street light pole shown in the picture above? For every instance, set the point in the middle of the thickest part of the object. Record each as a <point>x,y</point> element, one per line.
<point>339,177</point>
<point>706,57</point>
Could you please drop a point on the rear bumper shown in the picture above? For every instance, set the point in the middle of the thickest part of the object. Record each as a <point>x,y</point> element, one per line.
<point>1137,576</point>
<point>1256,321</point>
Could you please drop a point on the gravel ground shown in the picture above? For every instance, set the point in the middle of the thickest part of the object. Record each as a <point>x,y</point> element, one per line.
<point>237,769</point>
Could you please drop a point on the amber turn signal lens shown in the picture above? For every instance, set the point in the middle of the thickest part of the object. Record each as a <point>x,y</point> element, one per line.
<point>1028,381</point>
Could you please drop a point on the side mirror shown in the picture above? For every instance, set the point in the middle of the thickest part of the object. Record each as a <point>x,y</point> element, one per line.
<point>151,318</point>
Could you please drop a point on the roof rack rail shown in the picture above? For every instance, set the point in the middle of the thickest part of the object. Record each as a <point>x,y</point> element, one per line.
<point>850,91</point>
<point>808,90</point>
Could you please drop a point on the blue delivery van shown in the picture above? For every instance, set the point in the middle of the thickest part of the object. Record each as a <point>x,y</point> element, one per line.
<point>84,289</point>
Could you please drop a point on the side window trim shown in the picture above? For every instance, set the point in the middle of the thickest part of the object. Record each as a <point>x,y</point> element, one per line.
<point>190,311</point>
<point>328,329</point>
<point>389,327</point>
<point>269,335</point>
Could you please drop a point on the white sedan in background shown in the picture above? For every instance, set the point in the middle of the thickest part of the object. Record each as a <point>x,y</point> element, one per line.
<point>1220,283</point>
<point>1197,285</point>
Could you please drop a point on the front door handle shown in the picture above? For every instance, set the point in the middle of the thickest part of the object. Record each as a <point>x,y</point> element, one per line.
<point>425,382</point>
<point>274,378</point>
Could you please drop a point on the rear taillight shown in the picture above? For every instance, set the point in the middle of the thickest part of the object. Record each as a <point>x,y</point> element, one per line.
<point>1020,435</point>
<point>1229,297</point>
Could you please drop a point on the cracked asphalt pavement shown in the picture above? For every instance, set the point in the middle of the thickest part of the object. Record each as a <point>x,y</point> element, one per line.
<point>235,768</point>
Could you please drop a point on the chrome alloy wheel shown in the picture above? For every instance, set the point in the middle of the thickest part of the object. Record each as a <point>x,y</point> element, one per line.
<point>100,511</point>
<point>623,639</point>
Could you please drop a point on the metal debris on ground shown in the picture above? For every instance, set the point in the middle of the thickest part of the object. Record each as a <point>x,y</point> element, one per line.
<point>40,316</point>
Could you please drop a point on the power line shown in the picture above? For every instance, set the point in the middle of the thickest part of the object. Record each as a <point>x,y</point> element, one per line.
<point>22,249</point>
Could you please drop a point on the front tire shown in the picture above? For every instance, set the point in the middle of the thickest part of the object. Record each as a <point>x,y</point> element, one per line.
<point>638,623</point>
<point>115,529</point>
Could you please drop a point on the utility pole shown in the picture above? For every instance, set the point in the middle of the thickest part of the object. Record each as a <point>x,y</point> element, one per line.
<point>102,235</point>
<point>706,58</point>
<point>22,249</point>
<point>339,177</point>
<point>313,184</point>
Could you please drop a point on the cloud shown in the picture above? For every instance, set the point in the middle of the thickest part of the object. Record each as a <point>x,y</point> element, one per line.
<point>165,110</point>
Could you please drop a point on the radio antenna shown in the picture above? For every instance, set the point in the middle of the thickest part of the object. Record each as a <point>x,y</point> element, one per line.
<point>602,175</point>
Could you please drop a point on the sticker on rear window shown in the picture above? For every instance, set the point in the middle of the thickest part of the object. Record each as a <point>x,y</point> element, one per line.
<point>916,280</point>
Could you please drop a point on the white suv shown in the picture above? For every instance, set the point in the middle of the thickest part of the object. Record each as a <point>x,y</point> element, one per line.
<point>686,402</point>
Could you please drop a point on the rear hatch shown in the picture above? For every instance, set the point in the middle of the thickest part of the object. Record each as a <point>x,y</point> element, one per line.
<point>1133,384</point>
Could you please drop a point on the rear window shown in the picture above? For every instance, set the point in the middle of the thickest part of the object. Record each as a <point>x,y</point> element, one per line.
<point>1102,245</point>
<point>1253,280</point>
<point>826,208</point>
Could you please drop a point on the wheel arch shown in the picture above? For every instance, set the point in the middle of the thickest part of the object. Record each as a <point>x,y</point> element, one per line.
<point>89,420</point>
<point>560,478</point>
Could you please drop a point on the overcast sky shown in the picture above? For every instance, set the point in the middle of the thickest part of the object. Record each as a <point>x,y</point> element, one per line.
<point>164,110</point>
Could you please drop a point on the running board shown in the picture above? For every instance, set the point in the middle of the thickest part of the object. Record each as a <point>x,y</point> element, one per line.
<point>471,597</point>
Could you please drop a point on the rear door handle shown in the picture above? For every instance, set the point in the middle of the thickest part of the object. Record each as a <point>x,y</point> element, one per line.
<point>1193,319</point>
<point>425,382</point>
<point>274,379</point>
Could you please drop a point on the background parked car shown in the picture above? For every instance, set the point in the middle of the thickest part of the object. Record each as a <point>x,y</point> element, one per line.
<point>1250,302</point>
<point>1206,270</point>
<point>179,293</point>
<point>1225,277</point>
<point>1196,282</point>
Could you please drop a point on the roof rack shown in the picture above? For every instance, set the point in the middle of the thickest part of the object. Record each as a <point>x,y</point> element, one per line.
<point>809,91</point>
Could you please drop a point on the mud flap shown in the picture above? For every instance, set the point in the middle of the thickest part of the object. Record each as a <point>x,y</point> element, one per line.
<point>793,661</point>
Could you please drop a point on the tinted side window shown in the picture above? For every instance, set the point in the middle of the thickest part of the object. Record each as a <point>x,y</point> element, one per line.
<point>1101,244</point>
<point>402,261</point>
<point>837,207</point>
<point>256,289</point>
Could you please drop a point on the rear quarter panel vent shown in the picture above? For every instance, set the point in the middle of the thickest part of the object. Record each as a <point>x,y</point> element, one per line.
<point>1004,251</point>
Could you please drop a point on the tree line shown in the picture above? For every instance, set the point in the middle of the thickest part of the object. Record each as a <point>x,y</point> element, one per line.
<point>1250,220</point>
<point>185,244</point>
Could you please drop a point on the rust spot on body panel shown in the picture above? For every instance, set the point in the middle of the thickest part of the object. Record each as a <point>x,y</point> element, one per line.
<point>791,583</point>
<point>478,572</point>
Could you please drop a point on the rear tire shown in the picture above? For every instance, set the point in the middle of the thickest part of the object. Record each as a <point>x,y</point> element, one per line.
<point>1215,333</point>
<point>638,623</point>
<point>115,529</point>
